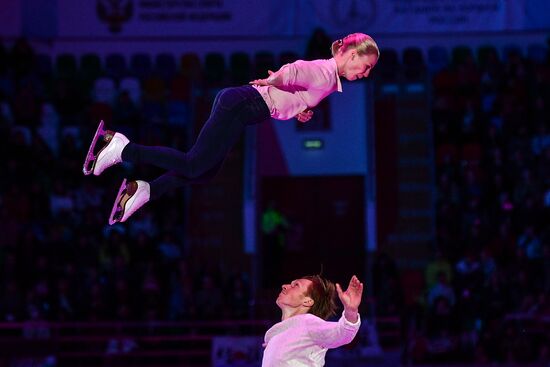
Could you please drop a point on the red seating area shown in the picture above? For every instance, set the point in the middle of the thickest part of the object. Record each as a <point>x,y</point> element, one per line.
<point>118,343</point>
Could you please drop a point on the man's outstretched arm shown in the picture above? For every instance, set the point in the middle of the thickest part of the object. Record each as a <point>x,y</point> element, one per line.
<point>335,334</point>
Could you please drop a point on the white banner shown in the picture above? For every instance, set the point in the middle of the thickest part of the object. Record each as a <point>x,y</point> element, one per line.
<point>275,18</point>
<point>411,16</point>
<point>166,18</point>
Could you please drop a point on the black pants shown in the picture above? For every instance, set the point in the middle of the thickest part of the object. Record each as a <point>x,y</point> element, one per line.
<point>233,109</point>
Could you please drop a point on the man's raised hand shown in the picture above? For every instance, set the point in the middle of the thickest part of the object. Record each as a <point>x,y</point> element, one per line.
<point>351,298</point>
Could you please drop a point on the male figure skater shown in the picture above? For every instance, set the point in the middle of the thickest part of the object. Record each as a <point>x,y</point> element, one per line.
<point>303,336</point>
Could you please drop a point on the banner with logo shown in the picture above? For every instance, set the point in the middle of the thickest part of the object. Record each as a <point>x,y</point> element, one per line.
<point>276,18</point>
<point>237,351</point>
<point>170,18</point>
<point>412,16</point>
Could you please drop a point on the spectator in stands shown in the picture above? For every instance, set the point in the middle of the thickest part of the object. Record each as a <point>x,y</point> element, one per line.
<point>239,298</point>
<point>27,105</point>
<point>64,303</point>
<point>209,299</point>
<point>488,264</point>
<point>541,141</point>
<point>441,331</point>
<point>152,292</point>
<point>546,266</point>
<point>21,58</point>
<point>543,168</point>
<point>4,59</point>
<point>530,243</point>
<point>439,265</point>
<point>468,271</point>
<point>125,113</point>
<point>181,304</point>
<point>495,297</point>
<point>318,45</point>
<point>441,289</point>
<point>386,285</point>
<point>11,306</point>
<point>275,227</point>
<point>61,200</point>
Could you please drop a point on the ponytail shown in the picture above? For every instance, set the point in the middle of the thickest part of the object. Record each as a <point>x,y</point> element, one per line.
<point>363,43</point>
<point>336,46</point>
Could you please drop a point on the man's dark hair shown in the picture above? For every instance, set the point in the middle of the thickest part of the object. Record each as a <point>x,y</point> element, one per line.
<point>323,293</point>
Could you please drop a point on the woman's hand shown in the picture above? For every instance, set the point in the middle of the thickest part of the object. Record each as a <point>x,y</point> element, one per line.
<point>351,298</point>
<point>305,116</point>
<point>261,81</point>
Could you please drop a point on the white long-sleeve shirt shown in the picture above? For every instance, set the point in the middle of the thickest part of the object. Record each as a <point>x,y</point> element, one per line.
<point>303,340</point>
<point>298,86</point>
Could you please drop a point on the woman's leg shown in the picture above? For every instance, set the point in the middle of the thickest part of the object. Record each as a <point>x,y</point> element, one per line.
<point>218,135</point>
<point>172,180</point>
<point>231,112</point>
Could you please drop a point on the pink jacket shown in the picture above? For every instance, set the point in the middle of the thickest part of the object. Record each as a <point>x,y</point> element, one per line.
<point>298,86</point>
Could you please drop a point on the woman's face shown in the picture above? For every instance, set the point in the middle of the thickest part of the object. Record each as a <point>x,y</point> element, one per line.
<point>357,66</point>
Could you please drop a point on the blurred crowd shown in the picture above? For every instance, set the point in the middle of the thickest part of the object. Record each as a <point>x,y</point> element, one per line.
<point>484,296</point>
<point>59,259</point>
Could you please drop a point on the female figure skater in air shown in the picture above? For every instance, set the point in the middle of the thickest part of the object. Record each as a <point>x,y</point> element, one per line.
<point>290,92</point>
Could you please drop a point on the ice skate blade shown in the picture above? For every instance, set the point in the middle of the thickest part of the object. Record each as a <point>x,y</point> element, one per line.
<point>90,157</point>
<point>112,219</point>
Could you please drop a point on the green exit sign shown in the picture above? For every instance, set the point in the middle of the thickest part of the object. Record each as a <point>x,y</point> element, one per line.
<point>313,144</point>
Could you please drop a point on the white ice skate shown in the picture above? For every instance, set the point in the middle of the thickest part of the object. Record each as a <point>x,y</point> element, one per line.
<point>131,196</point>
<point>109,155</point>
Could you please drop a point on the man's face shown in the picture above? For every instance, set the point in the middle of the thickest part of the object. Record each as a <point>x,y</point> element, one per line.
<point>294,294</point>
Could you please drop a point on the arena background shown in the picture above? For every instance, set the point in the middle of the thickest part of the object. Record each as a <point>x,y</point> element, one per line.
<point>430,180</point>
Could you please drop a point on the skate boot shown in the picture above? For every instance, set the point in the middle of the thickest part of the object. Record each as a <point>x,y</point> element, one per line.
<point>108,155</point>
<point>131,196</point>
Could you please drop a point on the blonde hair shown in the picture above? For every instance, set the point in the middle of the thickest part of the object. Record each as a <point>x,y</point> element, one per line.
<point>363,43</point>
